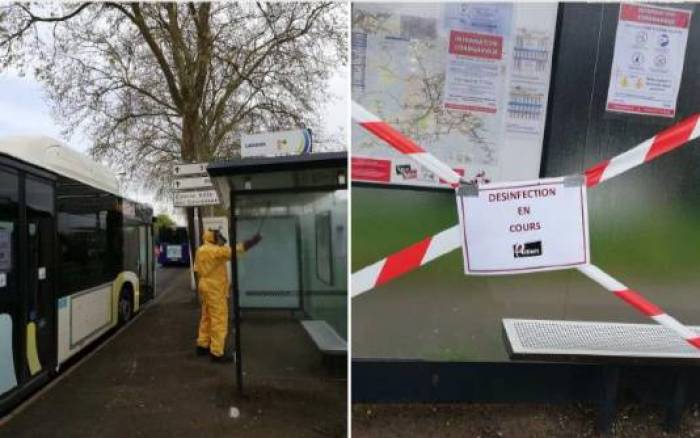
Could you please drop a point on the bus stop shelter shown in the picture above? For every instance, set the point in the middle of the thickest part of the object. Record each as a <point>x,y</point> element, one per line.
<point>299,205</point>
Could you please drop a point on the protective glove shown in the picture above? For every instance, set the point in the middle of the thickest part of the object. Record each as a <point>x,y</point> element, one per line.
<point>252,242</point>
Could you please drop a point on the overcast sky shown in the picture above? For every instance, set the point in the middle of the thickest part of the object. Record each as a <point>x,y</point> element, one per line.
<point>24,111</point>
<point>22,108</point>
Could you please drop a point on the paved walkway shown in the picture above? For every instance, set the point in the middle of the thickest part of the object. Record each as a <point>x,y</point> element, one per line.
<point>148,382</point>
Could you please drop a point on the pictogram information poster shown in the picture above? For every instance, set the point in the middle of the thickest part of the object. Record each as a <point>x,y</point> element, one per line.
<point>648,60</point>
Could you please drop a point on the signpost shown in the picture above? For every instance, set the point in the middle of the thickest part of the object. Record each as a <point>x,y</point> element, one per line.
<point>190,169</point>
<point>195,198</point>
<point>193,188</point>
<point>198,182</point>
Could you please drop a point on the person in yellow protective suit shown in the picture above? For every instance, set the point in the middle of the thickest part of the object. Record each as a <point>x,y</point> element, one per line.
<point>210,268</point>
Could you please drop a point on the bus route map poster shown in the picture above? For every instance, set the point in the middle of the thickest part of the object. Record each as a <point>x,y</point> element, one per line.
<point>468,82</point>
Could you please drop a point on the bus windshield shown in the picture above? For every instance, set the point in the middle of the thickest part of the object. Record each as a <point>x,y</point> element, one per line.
<point>173,235</point>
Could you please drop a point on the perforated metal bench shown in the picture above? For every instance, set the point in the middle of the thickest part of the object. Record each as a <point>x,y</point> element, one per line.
<point>325,337</point>
<point>611,344</point>
<point>534,338</point>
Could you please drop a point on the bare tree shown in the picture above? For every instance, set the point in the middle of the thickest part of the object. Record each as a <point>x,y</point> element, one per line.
<point>154,83</point>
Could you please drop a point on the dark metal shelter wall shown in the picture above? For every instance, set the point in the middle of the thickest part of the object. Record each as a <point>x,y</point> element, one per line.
<point>580,131</point>
<point>645,225</point>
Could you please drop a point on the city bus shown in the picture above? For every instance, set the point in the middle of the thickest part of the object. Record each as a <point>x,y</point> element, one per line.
<point>173,246</point>
<point>76,259</point>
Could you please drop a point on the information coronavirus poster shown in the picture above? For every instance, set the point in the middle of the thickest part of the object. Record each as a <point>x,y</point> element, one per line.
<point>514,228</point>
<point>472,81</point>
<point>648,60</point>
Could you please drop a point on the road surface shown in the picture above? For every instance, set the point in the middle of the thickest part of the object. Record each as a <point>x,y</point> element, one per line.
<point>147,381</point>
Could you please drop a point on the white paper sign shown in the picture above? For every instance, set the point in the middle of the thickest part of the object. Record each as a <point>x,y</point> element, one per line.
<point>196,198</point>
<point>648,61</point>
<point>526,226</point>
<point>3,279</point>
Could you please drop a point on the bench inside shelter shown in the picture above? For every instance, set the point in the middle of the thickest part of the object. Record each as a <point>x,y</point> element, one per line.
<point>610,344</point>
<point>331,345</point>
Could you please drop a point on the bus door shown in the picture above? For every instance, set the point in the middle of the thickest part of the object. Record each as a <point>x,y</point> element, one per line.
<point>40,302</point>
<point>11,360</point>
<point>151,260</point>
<point>145,247</point>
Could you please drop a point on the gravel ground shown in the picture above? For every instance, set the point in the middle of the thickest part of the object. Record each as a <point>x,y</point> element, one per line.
<point>511,420</point>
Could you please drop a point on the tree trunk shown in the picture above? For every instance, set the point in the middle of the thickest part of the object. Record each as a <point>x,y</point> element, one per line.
<point>189,155</point>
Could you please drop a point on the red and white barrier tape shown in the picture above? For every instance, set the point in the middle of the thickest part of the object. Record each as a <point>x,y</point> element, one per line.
<point>403,144</point>
<point>667,140</point>
<point>430,248</point>
<point>640,303</point>
<point>405,260</point>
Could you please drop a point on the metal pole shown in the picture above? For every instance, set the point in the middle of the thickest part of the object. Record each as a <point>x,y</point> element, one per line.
<point>200,226</point>
<point>234,294</point>
<point>197,230</point>
<point>192,244</point>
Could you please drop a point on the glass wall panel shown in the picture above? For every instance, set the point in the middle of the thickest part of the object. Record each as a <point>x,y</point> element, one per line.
<point>301,261</point>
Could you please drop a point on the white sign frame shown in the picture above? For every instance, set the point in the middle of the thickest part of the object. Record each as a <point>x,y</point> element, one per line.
<point>553,235</point>
<point>190,169</point>
<point>197,182</point>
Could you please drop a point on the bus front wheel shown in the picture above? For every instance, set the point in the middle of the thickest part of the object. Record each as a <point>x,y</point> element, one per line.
<point>126,304</point>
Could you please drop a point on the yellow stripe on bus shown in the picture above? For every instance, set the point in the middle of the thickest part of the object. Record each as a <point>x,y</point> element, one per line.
<point>32,354</point>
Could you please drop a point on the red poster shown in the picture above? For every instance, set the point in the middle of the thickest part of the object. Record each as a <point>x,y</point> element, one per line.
<point>368,169</point>
<point>476,45</point>
<point>657,16</point>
